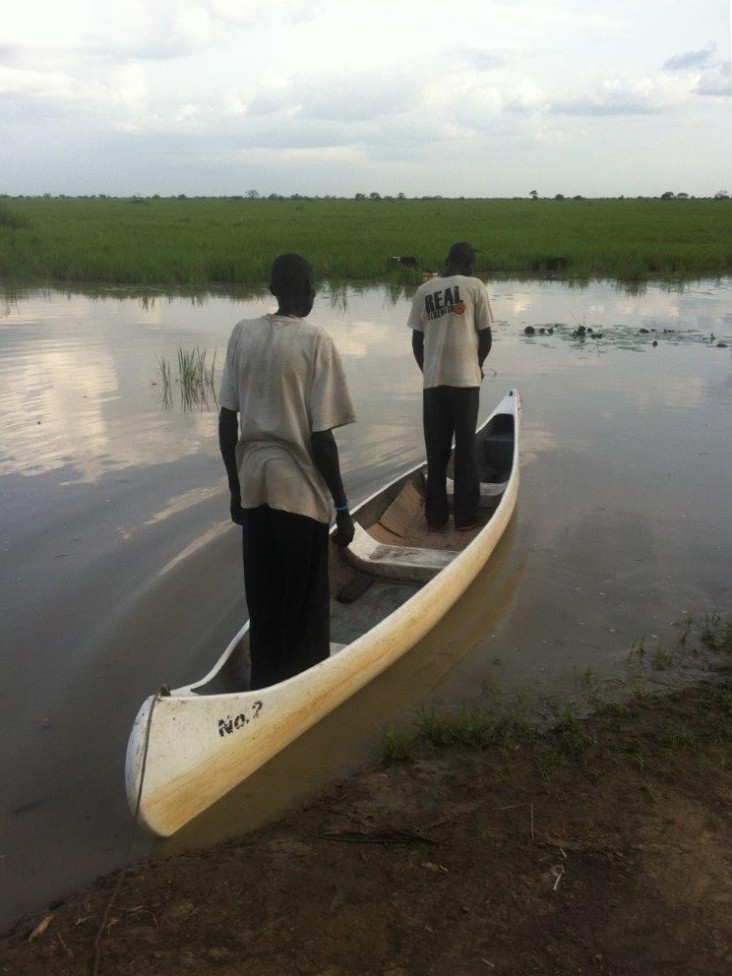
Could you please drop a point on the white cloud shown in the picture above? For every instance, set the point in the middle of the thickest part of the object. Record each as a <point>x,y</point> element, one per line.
<point>641,96</point>
<point>316,154</point>
<point>128,87</point>
<point>398,92</point>
<point>549,137</point>
<point>27,83</point>
<point>716,82</point>
<point>526,97</point>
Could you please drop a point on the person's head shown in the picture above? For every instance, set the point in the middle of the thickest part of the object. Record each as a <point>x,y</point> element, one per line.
<point>292,282</point>
<point>460,259</point>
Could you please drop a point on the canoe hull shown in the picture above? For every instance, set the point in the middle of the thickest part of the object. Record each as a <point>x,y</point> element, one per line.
<point>189,749</point>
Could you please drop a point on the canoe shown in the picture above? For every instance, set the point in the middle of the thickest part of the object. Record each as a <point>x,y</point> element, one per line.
<point>192,745</point>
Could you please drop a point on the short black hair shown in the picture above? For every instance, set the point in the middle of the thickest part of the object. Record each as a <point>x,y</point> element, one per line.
<point>291,274</point>
<point>461,252</point>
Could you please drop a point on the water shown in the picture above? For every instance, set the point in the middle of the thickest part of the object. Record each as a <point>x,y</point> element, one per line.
<point>119,569</point>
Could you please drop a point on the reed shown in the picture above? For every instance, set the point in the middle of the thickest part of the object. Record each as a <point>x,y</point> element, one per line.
<point>195,378</point>
<point>165,375</point>
<point>194,243</point>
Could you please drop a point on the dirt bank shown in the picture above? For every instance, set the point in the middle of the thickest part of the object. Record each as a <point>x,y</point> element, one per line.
<point>603,847</point>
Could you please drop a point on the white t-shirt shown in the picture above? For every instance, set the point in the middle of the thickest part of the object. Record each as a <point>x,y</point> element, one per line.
<point>450,311</point>
<point>285,379</point>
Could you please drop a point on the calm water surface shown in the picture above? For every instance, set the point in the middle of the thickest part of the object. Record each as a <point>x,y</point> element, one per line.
<point>119,569</point>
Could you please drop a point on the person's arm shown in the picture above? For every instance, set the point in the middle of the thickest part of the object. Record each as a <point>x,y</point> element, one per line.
<point>485,341</point>
<point>418,348</point>
<point>325,455</point>
<point>483,322</point>
<point>228,437</point>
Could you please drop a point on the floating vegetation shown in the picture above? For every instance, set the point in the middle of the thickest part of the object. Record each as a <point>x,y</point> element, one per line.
<point>619,336</point>
<point>195,379</point>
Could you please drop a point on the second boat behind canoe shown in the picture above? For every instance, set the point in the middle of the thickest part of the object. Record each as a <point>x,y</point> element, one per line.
<point>395,581</point>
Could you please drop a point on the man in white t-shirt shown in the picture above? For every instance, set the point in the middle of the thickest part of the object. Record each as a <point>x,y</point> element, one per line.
<point>283,391</point>
<point>451,322</point>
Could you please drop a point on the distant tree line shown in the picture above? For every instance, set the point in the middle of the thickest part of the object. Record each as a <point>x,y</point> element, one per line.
<point>373,196</point>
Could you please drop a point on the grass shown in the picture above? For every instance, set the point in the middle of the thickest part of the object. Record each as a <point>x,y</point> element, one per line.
<point>612,731</point>
<point>716,632</point>
<point>11,220</point>
<point>471,728</point>
<point>196,243</point>
<point>476,730</point>
<point>569,737</point>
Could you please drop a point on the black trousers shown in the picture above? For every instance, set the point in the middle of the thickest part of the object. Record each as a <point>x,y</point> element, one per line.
<point>286,580</point>
<point>449,411</point>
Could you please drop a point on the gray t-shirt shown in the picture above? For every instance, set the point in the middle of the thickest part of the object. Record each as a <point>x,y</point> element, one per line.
<point>285,379</point>
<point>450,311</point>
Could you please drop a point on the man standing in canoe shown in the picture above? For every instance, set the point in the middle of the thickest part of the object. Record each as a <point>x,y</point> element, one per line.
<point>283,391</point>
<point>451,322</point>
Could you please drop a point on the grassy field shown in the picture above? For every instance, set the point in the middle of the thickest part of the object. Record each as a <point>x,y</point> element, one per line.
<point>204,241</point>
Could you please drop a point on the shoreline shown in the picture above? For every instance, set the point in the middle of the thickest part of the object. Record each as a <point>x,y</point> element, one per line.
<point>563,848</point>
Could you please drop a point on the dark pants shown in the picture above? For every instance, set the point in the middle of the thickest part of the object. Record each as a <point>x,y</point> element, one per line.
<point>449,411</point>
<point>286,580</point>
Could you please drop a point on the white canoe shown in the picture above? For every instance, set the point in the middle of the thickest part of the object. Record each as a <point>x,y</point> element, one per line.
<point>395,581</point>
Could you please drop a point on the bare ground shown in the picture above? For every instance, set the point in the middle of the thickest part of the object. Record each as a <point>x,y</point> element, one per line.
<point>602,847</point>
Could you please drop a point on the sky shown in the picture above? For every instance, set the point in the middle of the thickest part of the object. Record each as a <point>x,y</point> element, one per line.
<point>475,98</point>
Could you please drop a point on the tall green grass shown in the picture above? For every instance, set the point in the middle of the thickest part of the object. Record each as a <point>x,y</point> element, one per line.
<point>201,242</point>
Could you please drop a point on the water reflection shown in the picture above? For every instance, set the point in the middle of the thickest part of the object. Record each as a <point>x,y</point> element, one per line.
<point>146,296</point>
<point>99,382</point>
<point>395,289</point>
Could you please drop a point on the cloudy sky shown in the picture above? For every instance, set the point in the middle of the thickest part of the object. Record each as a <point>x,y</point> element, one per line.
<point>458,97</point>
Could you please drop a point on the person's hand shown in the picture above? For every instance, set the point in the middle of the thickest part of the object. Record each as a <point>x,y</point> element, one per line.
<point>343,534</point>
<point>235,508</point>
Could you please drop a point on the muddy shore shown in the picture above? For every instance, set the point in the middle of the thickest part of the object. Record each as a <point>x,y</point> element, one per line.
<point>602,846</point>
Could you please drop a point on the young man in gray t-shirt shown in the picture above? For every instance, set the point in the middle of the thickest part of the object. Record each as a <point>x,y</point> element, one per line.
<point>283,391</point>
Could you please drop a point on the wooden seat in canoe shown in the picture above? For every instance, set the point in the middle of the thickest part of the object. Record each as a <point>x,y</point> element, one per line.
<point>398,546</point>
<point>398,562</point>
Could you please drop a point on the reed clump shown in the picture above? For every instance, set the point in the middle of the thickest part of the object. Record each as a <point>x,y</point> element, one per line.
<point>196,379</point>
